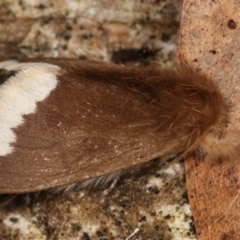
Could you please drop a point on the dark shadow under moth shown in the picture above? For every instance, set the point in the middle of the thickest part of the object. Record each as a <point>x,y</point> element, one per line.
<point>68,122</point>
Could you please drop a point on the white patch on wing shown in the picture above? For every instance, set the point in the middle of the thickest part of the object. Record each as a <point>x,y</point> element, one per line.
<point>19,94</point>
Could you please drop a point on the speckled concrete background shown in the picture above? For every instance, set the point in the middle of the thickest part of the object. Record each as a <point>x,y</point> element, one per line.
<point>152,203</point>
<point>99,30</point>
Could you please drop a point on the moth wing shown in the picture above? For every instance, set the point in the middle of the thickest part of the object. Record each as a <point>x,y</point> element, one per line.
<point>90,123</point>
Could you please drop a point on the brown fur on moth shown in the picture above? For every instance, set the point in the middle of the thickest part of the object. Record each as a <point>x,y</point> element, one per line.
<point>66,121</point>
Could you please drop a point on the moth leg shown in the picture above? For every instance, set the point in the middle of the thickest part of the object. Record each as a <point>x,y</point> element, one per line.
<point>111,187</point>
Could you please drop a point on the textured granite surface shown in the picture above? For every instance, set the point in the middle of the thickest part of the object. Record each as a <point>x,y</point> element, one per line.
<point>98,30</point>
<point>149,205</point>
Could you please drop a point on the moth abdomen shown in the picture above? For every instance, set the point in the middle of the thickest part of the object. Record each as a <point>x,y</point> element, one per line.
<point>76,120</point>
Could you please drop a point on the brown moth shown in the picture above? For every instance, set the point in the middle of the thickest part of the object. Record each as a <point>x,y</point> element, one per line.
<point>66,121</point>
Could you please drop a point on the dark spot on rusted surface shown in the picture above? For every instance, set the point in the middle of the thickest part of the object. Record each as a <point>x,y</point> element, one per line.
<point>64,47</point>
<point>76,227</point>
<point>213,51</point>
<point>68,27</point>
<point>156,227</point>
<point>41,6</point>
<point>167,217</point>
<point>82,57</point>
<point>13,220</point>
<point>154,190</point>
<point>118,223</point>
<point>143,219</point>
<point>231,24</point>
<point>192,228</point>
<point>185,195</point>
<point>85,236</point>
<point>226,236</point>
<point>67,36</point>
<point>165,37</point>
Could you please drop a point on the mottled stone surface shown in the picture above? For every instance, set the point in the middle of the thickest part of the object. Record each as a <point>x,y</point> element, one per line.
<point>96,30</point>
<point>152,203</point>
